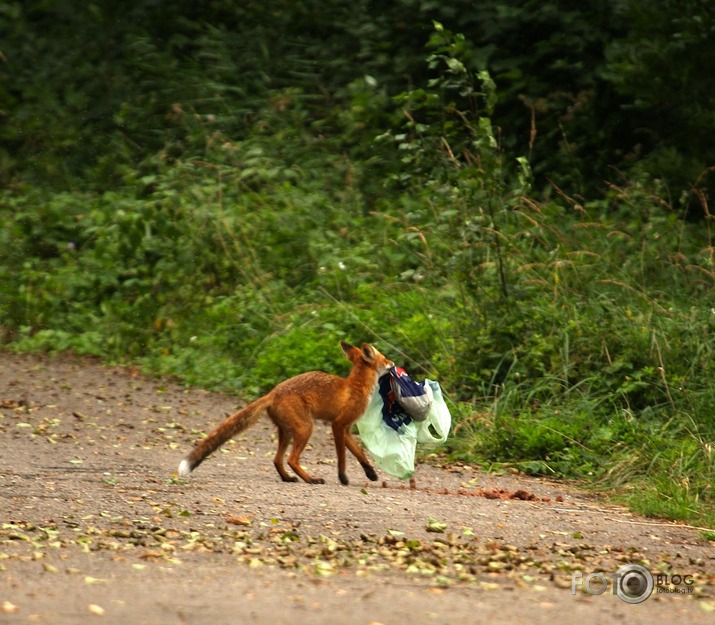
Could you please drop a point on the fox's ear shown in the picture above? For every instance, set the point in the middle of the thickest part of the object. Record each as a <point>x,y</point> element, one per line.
<point>368,352</point>
<point>347,349</point>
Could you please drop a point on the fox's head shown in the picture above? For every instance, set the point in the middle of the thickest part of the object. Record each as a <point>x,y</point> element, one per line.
<point>369,355</point>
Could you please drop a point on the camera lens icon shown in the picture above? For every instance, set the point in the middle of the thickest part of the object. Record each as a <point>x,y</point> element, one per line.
<point>634,583</point>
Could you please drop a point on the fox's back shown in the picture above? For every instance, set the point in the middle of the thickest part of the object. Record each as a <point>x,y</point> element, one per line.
<point>309,382</point>
<point>324,396</point>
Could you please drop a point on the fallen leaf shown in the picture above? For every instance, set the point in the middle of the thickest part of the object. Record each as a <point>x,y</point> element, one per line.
<point>324,568</point>
<point>435,526</point>
<point>9,608</point>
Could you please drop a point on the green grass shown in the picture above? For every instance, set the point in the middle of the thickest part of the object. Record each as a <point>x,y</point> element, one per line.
<point>658,465</point>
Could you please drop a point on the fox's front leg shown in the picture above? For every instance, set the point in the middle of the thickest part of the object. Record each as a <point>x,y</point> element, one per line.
<point>343,438</point>
<point>357,451</point>
<point>339,432</point>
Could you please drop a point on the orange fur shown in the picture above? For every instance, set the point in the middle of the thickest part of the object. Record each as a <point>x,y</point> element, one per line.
<point>294,404</point>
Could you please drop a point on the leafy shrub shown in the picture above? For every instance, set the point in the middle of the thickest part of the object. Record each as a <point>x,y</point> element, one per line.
<point>573,337</point>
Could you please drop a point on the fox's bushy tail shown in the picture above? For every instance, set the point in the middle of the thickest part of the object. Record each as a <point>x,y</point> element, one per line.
<point>227,429</point>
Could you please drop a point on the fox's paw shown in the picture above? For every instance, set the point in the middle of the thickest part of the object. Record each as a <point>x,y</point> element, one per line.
<point>370,473</point>
<point>317,480</point>
<point>343,479</point>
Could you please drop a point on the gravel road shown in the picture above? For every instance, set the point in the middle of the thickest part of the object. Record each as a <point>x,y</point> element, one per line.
<point>96,527</point>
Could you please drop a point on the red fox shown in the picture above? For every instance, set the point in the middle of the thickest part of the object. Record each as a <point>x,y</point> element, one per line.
<point>293,405</point>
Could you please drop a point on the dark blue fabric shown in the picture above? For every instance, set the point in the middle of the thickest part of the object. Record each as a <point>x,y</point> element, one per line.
<point>393,414</point>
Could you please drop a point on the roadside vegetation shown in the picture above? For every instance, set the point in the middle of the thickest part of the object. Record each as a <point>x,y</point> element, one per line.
<point>203,198</point>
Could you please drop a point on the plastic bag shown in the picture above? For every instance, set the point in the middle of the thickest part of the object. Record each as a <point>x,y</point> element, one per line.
<point>434,430</point>
<point>392,449</point>
<point>392,441</point>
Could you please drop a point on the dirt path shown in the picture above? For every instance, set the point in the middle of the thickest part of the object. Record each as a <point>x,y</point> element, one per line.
<point>95,525</point>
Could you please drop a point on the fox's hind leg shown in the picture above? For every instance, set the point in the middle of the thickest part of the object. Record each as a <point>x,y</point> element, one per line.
<point>301,436</point>
<point>283,442</point>
<point>292,424</point>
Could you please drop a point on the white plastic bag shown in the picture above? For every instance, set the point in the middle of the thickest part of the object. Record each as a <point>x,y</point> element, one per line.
<point>434,430</point>
<point>394,450</point>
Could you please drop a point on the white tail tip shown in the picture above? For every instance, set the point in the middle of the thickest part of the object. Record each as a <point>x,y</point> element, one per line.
<point>184,468</point>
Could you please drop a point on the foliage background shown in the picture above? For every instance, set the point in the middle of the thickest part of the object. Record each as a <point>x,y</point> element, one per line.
<point>511,197</point>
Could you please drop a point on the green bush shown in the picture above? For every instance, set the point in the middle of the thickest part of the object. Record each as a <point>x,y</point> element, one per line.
<point>573,336</point>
